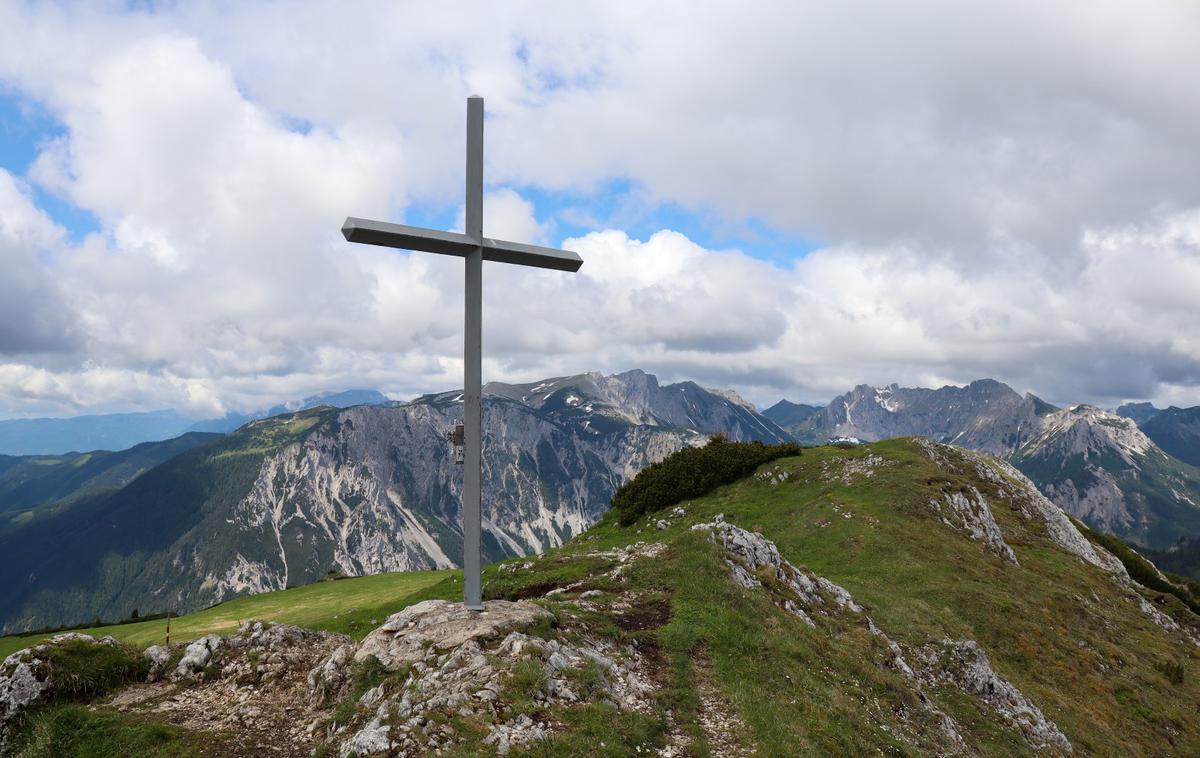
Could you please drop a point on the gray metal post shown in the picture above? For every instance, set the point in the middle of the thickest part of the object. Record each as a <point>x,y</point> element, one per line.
<point>472,359</point>
<point>475,249</point>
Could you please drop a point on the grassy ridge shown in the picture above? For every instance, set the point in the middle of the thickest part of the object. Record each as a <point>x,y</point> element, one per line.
<point>1057,628</point>
<point>350,606</point>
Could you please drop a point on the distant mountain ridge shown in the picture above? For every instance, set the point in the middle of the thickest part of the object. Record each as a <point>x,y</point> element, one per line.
<point>120,431</point>
<point>361,490</point>
<point>1177,431</point>
<point>1095,464</point>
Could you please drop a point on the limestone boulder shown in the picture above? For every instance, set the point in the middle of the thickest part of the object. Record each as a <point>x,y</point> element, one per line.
<point>444,625</point>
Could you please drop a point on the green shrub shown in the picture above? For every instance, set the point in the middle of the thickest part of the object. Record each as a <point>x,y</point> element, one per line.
<point>691,473</point>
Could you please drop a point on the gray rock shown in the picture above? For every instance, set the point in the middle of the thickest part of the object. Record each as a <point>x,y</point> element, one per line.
<point>970,514</point>
<point>196,656</point>
<point>23,680</point>
<point>964,664</point>
<point>373,739</point>
<point>327,682</point>
<point>158,655</point>
<point>27,676</point>
<point>443,625</point>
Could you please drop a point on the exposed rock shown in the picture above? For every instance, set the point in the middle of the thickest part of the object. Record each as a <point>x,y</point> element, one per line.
<point>196,656</point>
<point>774,475</point>
<point>159,656</point>
<point>848,470</point>
<point>255,689</point>
<point>965,665</point>
<point>1160,618</point>
<point>969,513</point>
<point>452,661</point>
<point>442,625</point>
<point>751,554</point>
<point>328,681</point>
<point>625,555</point>
<point>23,679</point>
<point>1017,490</point>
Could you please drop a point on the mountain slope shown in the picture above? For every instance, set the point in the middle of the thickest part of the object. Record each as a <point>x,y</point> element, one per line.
<point>791,416</point>
<point>284,500</point>
<point>27,482</point>
<point>986,415</point>
<point>1139,412</point>
<point>1177,432</point>
<point>900,598</point>
<point>1102,469</point>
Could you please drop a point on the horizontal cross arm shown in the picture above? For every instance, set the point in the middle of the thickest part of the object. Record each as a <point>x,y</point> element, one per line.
<point>454,243</point>
<point>530,255</point>
<point>407,237</point>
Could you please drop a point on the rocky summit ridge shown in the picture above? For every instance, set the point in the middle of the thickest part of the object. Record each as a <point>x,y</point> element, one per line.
<point>902,597</point>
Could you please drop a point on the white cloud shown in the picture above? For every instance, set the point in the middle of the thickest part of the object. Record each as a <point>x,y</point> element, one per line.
<point>1006,191</point>
<point>34,317</point>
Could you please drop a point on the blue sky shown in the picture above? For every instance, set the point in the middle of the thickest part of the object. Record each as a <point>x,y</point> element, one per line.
<point>24,128</point>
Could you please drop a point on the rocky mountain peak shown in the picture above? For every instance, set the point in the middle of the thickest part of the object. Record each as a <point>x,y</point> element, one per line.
<point>1090,431</point>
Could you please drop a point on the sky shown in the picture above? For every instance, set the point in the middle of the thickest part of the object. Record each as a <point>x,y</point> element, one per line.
<point>783,198</point>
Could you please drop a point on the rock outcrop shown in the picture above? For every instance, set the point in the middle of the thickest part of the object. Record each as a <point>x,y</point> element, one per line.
<point>752,558</point>
<point>969,513</point>
<point>441,625</point>
<point>252,686</point>
<point>441,657</point>
<point>964,664</point>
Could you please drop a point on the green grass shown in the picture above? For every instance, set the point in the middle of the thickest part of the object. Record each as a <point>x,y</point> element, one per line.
<point>350,606</point>
<point>84,670</point>
<point>72,730</point>
<point>597,730</point>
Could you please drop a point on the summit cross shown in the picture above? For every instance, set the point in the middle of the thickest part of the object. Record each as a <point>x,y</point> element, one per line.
<point>475,249</point>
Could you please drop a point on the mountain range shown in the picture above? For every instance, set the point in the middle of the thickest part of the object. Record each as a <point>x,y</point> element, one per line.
<point>287,499</point>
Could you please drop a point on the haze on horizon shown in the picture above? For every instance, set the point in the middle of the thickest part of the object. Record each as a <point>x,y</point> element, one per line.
<point>785,198</point>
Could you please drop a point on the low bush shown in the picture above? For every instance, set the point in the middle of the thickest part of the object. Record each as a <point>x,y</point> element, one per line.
<point>692,472</point>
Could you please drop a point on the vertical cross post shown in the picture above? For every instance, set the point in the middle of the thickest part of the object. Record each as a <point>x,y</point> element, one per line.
<point>474,248</point>
<point>472,359</point>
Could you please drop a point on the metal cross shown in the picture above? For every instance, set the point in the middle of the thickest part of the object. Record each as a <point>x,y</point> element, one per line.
<point>476,249</point>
